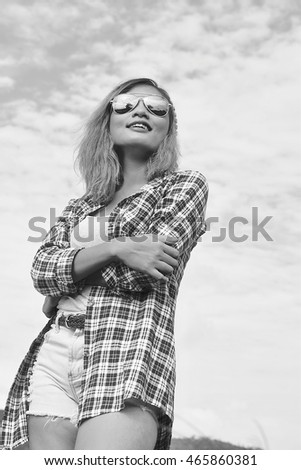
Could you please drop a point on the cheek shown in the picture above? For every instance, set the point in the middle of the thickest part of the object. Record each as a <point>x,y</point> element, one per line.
<point>162,129</point>
<point>165,123</point>
<point>114,128</point>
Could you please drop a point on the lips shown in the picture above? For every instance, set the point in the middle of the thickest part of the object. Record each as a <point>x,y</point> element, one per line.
<point>140,125</point>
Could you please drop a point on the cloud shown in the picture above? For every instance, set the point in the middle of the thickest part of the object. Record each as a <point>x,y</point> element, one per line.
<point>6,82</point>
<point>232,69</point>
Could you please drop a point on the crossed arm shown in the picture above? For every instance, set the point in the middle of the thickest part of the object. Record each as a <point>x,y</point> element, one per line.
<point>133,263</point>
<point>155,258</point>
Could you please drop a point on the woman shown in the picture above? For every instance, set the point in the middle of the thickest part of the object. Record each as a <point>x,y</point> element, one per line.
<point>101,374</point>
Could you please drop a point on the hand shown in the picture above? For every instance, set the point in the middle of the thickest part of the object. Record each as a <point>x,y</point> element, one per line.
<point>49,306</point>
<point>150,254</point>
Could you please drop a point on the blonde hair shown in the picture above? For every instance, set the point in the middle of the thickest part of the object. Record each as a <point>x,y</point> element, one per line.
<point>98,161</point>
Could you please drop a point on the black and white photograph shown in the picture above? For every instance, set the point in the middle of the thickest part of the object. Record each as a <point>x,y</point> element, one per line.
<point>150,225</point>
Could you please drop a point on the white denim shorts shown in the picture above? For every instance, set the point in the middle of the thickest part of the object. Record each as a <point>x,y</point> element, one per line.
<point>55,383</point>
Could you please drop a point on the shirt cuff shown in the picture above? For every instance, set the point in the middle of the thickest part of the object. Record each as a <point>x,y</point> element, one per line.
<point>64,269</point>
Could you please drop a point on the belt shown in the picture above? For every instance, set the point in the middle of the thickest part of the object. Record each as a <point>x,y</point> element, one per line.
<point>73,321</point>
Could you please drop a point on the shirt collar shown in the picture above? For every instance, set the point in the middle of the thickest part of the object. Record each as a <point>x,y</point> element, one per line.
<point>89,205</point>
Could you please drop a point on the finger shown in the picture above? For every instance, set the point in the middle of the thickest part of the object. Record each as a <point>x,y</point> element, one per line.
<point>48,308</point>
<point>158,275</point>
<point>167,238</point>
<point>51,300</point>
<point>171,240</point>
<point>164,268</point>
<point>169,260</point>
<point>171,251</point>
<point>50,313</point>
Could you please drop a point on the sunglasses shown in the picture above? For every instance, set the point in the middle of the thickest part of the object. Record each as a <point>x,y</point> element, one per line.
<point>126,102</point>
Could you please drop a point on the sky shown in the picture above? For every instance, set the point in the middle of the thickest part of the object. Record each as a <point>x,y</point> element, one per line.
<point>232,69</point>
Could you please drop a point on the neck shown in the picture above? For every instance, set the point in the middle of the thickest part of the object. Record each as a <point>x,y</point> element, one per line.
<point>133,168</point>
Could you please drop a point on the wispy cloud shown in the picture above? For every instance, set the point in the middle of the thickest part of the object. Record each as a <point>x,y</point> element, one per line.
<point>6,82</point>
<point>232,68</point>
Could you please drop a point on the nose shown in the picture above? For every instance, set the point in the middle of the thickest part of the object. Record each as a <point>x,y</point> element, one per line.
<point>140,110</point>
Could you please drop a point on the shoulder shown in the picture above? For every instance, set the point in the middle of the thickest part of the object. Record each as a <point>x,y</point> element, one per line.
<point>73,207</point>
<point>186,179</point>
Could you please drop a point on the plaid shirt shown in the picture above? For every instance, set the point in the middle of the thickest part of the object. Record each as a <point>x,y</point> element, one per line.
<point>129,327</point>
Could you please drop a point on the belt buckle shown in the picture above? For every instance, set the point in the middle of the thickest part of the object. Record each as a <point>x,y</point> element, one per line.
<point>67,321</point>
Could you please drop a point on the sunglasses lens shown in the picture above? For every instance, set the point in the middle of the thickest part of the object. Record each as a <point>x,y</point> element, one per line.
<point>156,105</point>
<point>124,103</point>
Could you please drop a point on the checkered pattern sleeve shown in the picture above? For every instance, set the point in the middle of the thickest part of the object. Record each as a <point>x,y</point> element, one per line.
<point>181,214</point>
<point>182,210</point>
<point>51,270</point>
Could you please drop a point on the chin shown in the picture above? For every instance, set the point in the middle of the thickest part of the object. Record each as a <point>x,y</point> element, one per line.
<point>135,146</point>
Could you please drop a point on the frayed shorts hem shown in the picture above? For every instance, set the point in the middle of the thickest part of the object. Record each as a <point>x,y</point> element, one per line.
<point>53,417</point>
<point>73,419</point>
